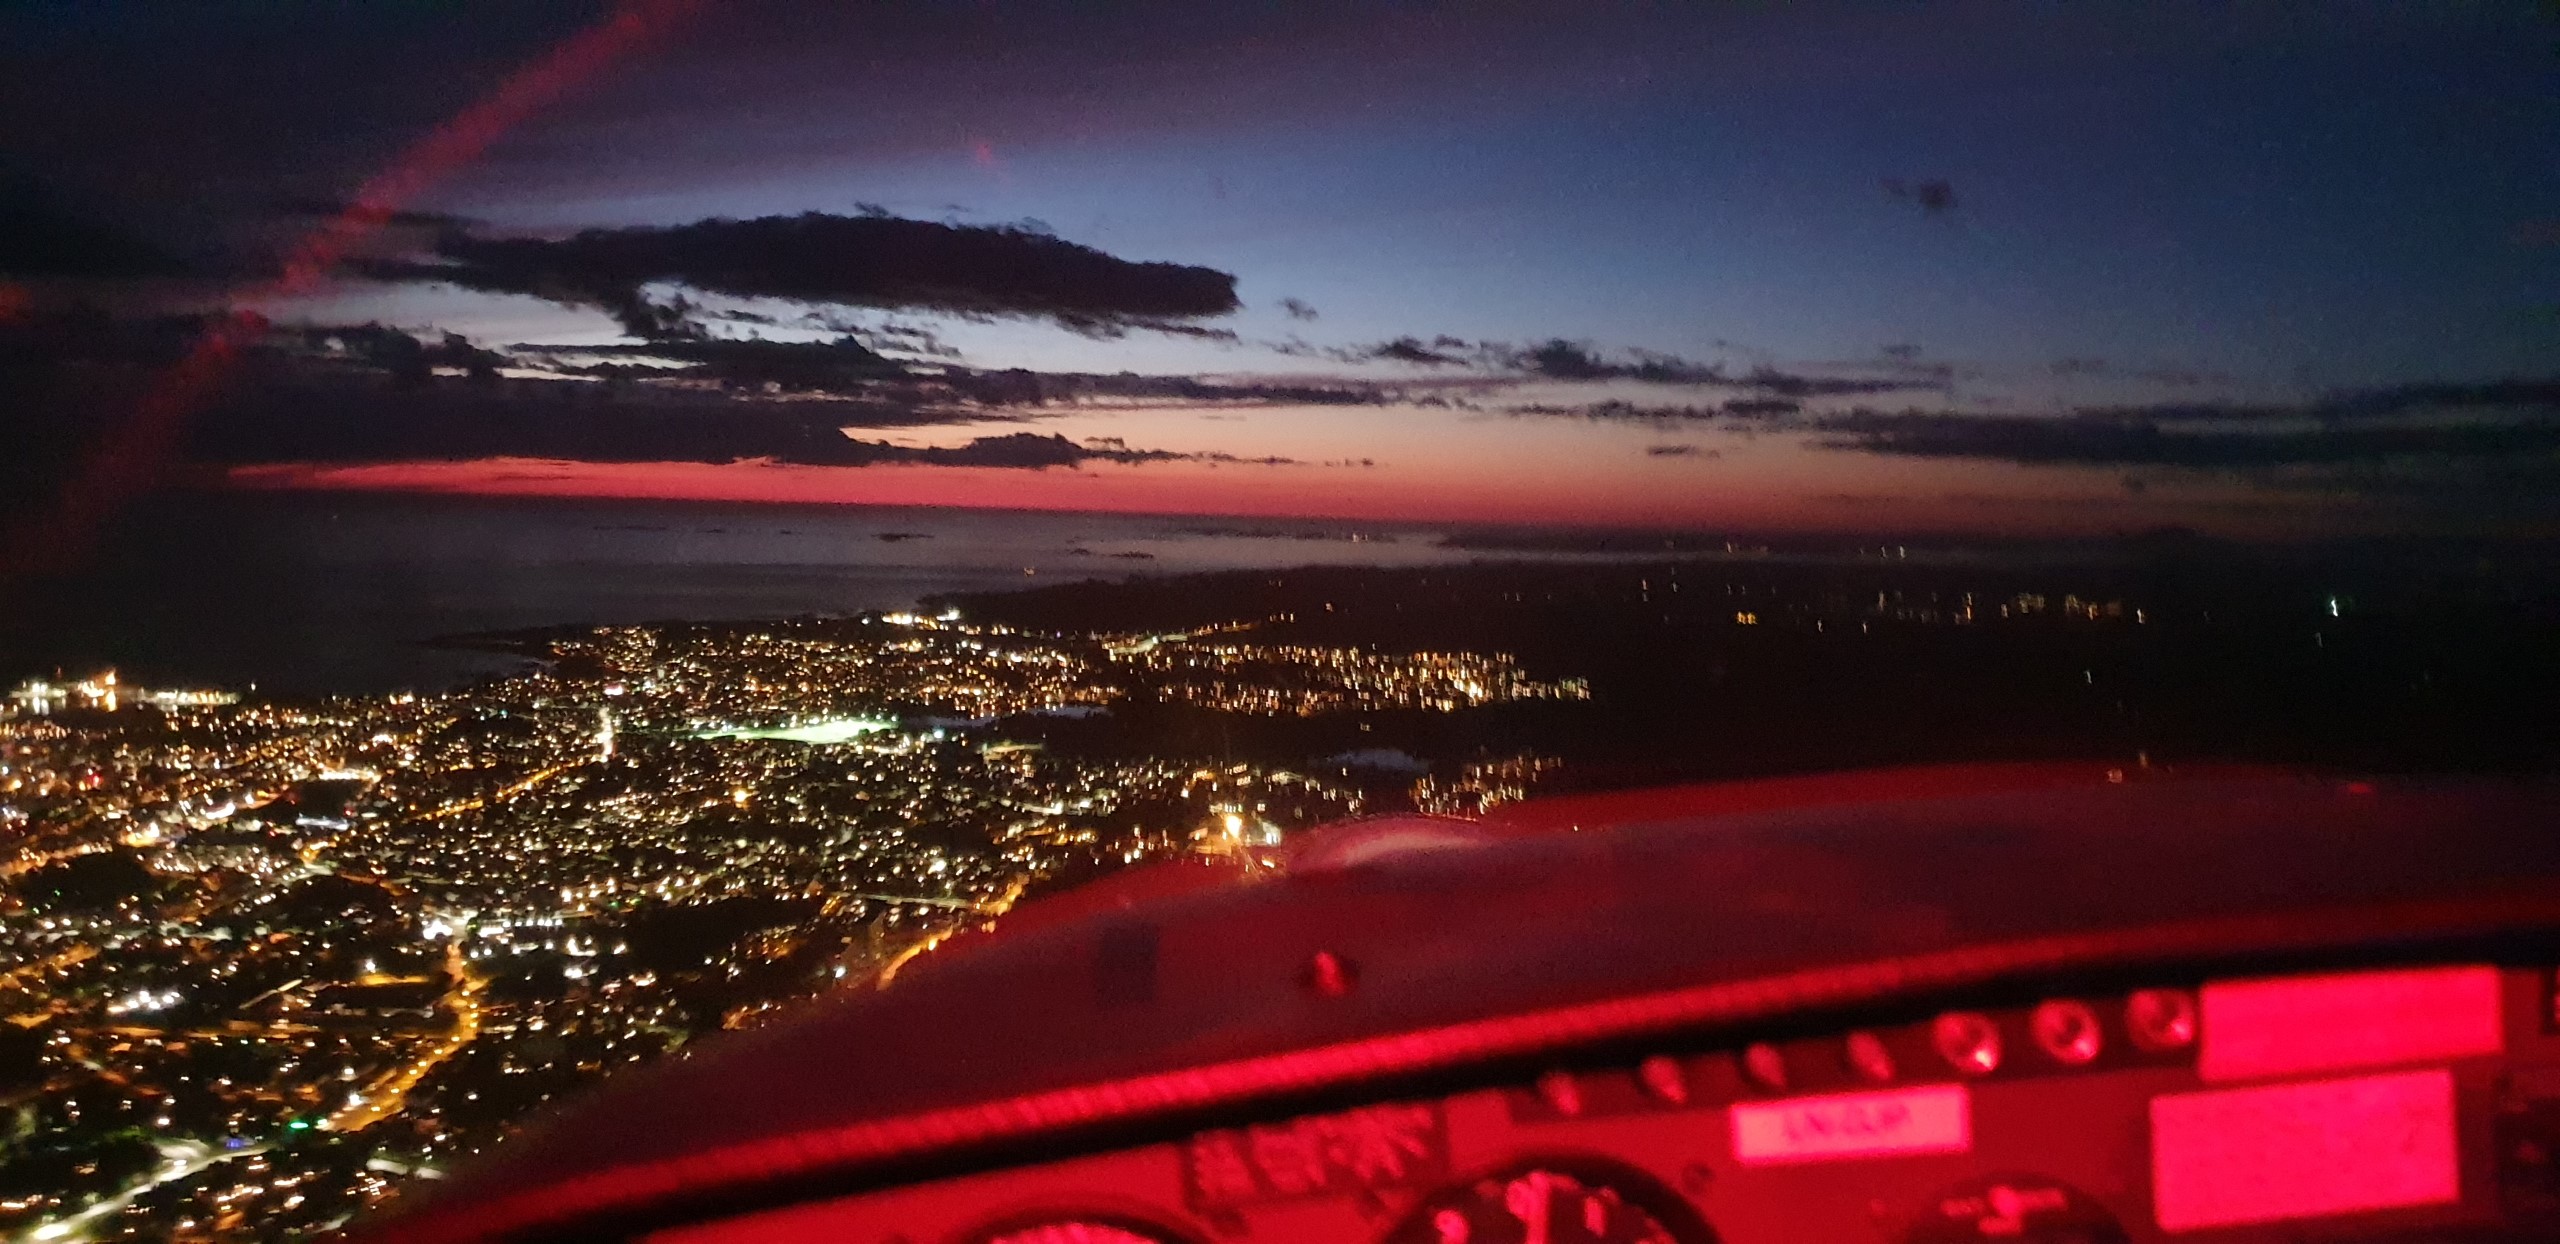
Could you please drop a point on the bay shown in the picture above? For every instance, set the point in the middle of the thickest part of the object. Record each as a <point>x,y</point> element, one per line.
<point>322,593</point>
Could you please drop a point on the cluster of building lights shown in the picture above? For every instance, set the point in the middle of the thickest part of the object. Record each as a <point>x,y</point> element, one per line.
<point>322,946</point>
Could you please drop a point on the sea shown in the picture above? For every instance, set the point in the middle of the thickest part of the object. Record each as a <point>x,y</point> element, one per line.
<point>304,594</point>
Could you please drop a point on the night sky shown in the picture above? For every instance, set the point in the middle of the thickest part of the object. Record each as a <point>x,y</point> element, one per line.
<point>2030,269</point>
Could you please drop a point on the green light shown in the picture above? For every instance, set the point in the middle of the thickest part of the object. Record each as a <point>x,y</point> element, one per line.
<point>827,731</point>
<point>298,1125</point>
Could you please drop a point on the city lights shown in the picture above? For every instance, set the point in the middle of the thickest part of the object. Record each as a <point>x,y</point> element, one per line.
<point>363,936</point>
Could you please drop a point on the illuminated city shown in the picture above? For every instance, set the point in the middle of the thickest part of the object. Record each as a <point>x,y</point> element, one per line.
<point>273,959</point>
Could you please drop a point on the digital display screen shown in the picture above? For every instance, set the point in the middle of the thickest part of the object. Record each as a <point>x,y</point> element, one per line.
<point>2290,1151</point>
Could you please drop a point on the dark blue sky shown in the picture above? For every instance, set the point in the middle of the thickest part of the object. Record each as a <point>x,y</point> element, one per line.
<point>2343,193</point>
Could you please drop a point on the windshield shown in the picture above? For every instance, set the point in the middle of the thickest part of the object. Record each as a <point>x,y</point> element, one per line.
<point>535,537</point>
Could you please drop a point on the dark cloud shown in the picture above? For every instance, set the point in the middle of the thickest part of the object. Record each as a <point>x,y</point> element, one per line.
<point>1563,359</point>
<point>1218,392</point>
<point>574,422</point>
<point>1016,450</point>
<point>2542,395</point>
<point>1413,350</point>
<point>1679,451</point>
<point>2385,430</point>
<point>831,260</point>
<point>2350,406</point>
<point>2488,450</point>
<point>1221,457</point>
<point>848,368</point>
<point>366,393</point>
<point>1776,383</point>
<point>1931,196</point>
<point>885,335</point>
<point>2492,470</point>
<point>446,420</point>
<point>1559,359</point>
<point>1619,411</point>
<point>1298,308</point>
<point>843,364</point>
<point>1556,358</point>
<point>1120,328</point>
<point>1020,387</point>
<point>407,359</point>
<point>2505,421</point>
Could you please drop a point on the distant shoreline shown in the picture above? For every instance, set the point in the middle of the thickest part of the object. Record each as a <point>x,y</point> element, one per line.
<point>310,595</point>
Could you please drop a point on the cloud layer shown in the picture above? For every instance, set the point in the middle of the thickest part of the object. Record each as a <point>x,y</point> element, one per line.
<point>1570,361</point>
<point>831,260</point>
<point>2515,420</point>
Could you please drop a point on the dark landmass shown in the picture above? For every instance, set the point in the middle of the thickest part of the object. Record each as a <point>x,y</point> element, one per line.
<point>2175,651</point>
<point>2157,545</point>
<point>1265,533</point>
<point>2407,656</point>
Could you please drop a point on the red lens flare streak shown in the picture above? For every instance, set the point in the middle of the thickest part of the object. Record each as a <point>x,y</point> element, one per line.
<point>131,455</point>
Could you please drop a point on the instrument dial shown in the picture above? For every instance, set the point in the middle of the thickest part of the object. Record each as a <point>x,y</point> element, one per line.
<point>2015,1209</point>
<point>1549,1205</point>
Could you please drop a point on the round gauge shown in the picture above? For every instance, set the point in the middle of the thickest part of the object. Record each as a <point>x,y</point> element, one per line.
<point>2015,1209</point>
<point>1075,1231</point>
<point>1554,1204</point>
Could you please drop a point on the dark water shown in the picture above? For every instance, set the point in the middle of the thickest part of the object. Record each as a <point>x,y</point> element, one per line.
<point>305,593</point>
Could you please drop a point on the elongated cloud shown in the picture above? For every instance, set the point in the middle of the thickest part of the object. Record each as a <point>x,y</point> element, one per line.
<point>822,259</point>
<point>1562,359</point>
<point>2490,446</point>
<point>2250,441</point>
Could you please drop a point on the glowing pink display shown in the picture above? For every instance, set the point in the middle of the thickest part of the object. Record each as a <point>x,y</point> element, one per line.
<point>2306,1024</point>
<point>2287,1151</point>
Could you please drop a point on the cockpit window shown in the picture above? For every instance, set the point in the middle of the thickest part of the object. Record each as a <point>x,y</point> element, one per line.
<point>535,538</point>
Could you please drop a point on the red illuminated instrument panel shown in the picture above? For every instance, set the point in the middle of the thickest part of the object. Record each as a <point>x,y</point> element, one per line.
<point>2388,1104</point>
